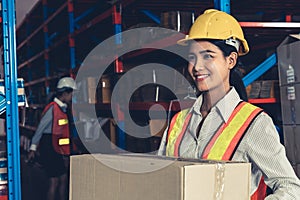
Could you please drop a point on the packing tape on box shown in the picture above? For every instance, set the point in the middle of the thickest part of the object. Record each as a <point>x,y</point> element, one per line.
<point>220,181</point>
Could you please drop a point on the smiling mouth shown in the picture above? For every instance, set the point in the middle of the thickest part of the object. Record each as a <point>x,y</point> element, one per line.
<point>201,77</point>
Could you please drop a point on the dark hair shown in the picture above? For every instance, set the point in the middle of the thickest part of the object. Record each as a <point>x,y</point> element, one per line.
<point>60,91</point>
<point>225,48</point>
<point>235,77</point>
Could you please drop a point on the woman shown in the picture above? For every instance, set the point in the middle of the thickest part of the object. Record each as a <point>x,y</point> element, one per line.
<point>220,125</point>
<point>52,138</point>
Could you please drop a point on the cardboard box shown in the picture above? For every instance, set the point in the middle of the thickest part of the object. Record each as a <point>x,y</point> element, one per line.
<point>177,20</point>
<point>21,94</point>
<point>157,127</point>
<point>297,169</point>
<point>269,89</point>
<point>124,177</point>
<point>263,89</point>
<point>289,60</point>
<point>253,90</point>
<point>92,88</point>
<point>105,89</point>
<point>290,104</point>
<point>2,127</point>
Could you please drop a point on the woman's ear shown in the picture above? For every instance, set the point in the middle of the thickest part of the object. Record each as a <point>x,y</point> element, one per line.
<point>232,59</point>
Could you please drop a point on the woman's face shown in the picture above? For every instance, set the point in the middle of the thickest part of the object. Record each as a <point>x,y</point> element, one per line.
<point>209,68</point>
<point>67,97</point>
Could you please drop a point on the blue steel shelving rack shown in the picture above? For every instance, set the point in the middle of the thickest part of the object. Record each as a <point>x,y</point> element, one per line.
<point>224,5</point>
<point>10,69</point>
<point>46,46</point>
<point>8,13</point>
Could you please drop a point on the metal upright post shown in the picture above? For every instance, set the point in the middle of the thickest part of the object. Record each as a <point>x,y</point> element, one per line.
<point>223,5</point>
<point>117,21</point>
<point>46,46</point>
<point>71,36</point>
<point>12,118</point>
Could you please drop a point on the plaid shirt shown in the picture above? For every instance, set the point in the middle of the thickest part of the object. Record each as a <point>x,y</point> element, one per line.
<point>260,146</point>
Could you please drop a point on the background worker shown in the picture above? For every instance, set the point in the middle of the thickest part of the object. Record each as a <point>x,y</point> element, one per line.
<point>220,125</point>
<point>52,139</point>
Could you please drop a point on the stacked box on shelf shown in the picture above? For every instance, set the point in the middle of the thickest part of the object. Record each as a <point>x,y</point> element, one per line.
<point>105,89</point>
<point>177,20</point>
<point>289,73</point>
<point>269,89</point>
<point>263,89</point>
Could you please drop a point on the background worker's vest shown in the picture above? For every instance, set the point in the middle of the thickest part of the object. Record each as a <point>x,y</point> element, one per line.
<point>60,129</point>
<point>224,143</point>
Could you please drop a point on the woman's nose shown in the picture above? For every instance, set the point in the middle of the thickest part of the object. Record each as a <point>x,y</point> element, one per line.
<point>198,66</point>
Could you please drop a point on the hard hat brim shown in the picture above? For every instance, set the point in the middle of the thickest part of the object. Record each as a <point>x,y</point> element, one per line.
<point>187,40</point>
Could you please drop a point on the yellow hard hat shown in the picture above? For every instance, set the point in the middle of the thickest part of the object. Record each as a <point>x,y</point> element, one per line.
<point>215,24</point>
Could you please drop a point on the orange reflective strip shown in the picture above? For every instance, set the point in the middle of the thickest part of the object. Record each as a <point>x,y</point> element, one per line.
<point>215,137</point>
<point>180,136</point>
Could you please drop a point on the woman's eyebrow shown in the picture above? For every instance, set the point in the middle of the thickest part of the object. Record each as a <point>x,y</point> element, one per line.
<point>206,51</point>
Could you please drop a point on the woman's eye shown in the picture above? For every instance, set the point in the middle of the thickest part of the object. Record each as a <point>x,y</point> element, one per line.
<point>191,58</point>
<point>207,56</point>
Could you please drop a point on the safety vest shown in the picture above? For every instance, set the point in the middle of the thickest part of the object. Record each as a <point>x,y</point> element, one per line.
<point>224,143</point>
<point>60,129</point>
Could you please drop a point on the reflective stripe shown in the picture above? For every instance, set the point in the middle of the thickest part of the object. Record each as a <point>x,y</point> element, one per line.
<point>223,144</point>
<point>63,141</point>
<point>62,122</point>
<point>180,136</point>
<point>176,127</point>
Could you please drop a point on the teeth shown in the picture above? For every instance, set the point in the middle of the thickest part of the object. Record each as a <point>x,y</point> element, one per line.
<point>202,76</point>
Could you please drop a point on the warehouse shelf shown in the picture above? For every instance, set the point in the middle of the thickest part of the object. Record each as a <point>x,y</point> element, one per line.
<point>41,26</point>
<point>263,100</point>
<point>31,128</point>
<point>143,106</point>
<point>47,50</point>
<point>11,100</point>
<point>42,40</point>
<point>36,81</point>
